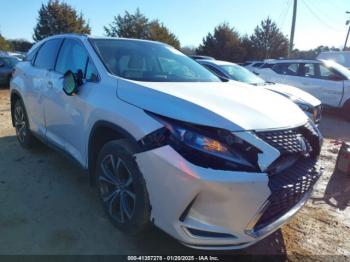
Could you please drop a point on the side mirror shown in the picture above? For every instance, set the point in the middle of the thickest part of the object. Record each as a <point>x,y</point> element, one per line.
<point>72,81</point>
<point>2,64</point>
<point>69,83</point>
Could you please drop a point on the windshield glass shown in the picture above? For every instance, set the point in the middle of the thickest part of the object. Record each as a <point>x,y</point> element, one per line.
<point>149,61</point>
<point>341,69</point>
<point>241,74</point>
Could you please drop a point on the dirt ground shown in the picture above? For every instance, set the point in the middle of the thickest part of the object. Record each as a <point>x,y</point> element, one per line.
<point>47,207</point>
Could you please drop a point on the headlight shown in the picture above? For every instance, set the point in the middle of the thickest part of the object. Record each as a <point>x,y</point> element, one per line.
<point>305,107</point>
<point>204,146</point>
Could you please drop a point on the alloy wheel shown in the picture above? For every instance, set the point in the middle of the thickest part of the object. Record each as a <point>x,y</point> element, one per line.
<point>20,123</point>
<point>117,188</point>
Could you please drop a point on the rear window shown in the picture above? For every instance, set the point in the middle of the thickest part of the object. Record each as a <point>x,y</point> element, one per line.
<point>47,54</point>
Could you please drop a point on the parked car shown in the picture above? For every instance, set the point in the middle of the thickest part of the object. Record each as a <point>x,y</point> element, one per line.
<point>7,63</point>
<point>202,57</point>
<point>252,65</point>
<point>308,103</point>
<point>166,141</point>
<point>326,80</point>
<point>341,57</point>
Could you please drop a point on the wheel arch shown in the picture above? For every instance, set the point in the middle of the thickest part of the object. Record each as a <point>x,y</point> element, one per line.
<point>101,133</point>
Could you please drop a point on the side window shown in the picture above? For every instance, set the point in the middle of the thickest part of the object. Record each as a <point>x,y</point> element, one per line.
<point>73,57</point>
<point>31,55</point>
<point>329,74</point>
<point>286,69</point>
<point>309,70</point>
<point>266,65</point>
<point>257,64</point>
<point>47,54</point>
<point>215,71</point>
<point>91,72</point>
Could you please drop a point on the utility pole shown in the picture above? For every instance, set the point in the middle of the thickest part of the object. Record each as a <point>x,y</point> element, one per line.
<point>347,36</point>
<point>291,42</point>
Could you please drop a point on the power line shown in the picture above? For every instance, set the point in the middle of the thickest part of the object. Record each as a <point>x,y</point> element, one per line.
<point>319,18</point>
<point>285,14</point>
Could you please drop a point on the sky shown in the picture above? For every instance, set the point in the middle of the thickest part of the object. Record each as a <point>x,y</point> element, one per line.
<point>319,22</point>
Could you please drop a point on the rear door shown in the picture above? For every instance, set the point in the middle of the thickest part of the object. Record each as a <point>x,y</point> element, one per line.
<point>36,83</point>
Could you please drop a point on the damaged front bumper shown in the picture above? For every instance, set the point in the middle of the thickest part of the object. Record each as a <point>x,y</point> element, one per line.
<point>215,209</point>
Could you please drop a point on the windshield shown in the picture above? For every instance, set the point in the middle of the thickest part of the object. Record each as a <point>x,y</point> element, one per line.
<point>341,69</point>
<point>149,61</point>
<point>241,74</point>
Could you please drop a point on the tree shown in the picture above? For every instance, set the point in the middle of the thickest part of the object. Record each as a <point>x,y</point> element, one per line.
<point>58,17</point>
<point>138,26</point>
<point>188,50</point>
<point>129,26</point>
<point>4,44</point>
<point>224,44</point>
<point>268,41</point>
<point>20,45</point>
<point>159,32</point>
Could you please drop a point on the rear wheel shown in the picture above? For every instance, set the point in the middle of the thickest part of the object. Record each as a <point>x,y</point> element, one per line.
<point>24,136</point>
<point>122,188</point>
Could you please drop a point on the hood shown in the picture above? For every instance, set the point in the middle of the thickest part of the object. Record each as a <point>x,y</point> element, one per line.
<point>235,107</point>
<point>292,91</point>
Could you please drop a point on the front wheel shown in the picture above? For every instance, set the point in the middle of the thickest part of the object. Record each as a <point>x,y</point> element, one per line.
<point>122,188</point>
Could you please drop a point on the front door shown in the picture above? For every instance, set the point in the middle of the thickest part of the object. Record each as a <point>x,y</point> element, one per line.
<point>66,115</point>
<point>323,83</point>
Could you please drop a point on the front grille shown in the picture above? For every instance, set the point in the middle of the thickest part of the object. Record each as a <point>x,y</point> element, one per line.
<point>288,189</point>
<point>293,175</point>
<point>301,140</point>
<point>285,141</point>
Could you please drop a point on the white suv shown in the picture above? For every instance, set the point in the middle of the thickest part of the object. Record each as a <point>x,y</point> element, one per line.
<point>166,141</point>
<point>326,80</point>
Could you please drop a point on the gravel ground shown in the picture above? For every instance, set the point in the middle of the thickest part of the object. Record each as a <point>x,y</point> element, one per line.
<point>47,207</point>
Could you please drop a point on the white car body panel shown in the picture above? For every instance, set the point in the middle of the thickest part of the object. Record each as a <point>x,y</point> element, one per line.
<point>221,100</point>
<point>329,92</point>
<point>296,95</point>
<point>234,187</point>
<point>294,92</point>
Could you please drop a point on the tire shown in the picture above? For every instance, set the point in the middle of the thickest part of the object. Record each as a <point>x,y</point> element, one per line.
<point>9,78</point>
<point>346,111</point>
<point>23,133</point>
<point>122,188</point>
